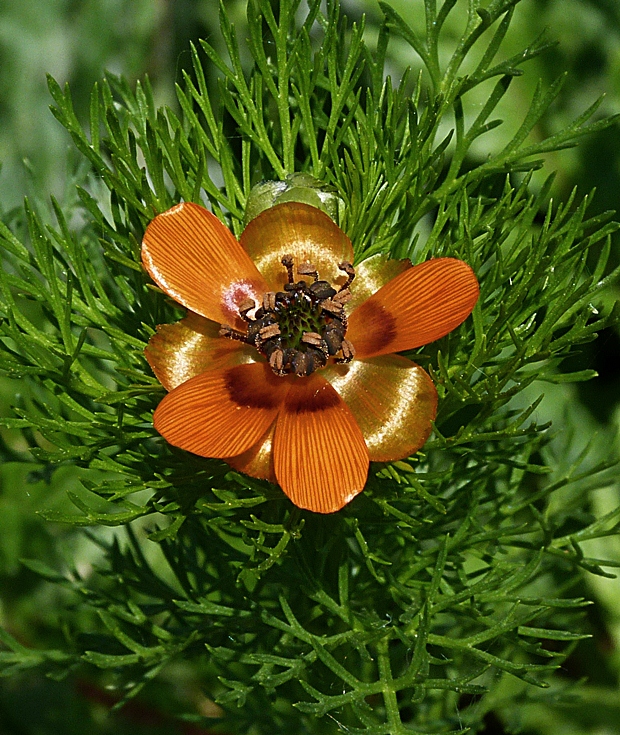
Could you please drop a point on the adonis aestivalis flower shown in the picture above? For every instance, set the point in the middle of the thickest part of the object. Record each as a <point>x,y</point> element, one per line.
<point>285,365</point>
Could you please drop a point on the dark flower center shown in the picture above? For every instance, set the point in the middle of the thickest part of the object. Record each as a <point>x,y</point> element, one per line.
<point>300,328</point>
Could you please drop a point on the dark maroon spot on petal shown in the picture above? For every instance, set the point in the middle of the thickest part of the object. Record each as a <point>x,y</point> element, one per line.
<point>381,326</point>
<point>317,399</point>
<point>245,390</point>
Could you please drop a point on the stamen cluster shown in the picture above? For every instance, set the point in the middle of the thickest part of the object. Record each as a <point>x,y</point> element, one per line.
<point>298,329</point>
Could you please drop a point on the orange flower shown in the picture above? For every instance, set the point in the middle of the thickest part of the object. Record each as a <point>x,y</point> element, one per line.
<point>295,381</point>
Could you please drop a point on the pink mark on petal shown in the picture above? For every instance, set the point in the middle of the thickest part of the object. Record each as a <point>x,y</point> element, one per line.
<point>236,293</point>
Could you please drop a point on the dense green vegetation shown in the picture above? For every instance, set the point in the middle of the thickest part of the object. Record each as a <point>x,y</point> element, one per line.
<point>451,591</point>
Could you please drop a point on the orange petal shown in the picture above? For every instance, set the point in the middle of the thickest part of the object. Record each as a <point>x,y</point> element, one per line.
<point>371,274</point>
<point>417,307</point>
<point>320,457</point>
<point>257,461</point>
<point>221,413</point>
<point>296,229</point>
<point>192,346</point>
<point>393,401</point>
<point>196,260</point>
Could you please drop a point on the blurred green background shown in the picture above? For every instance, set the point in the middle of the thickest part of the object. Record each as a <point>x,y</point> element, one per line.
<point>75,41</point>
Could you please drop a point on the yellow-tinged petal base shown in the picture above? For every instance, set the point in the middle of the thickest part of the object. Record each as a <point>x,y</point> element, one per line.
<point>371,275</point>
<point>304,232</point>
<point>393,400</point>
<point>180,351</point>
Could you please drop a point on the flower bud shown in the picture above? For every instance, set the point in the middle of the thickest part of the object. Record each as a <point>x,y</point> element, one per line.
<point>299,187</point>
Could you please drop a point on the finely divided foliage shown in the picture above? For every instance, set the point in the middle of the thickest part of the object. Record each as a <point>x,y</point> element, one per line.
<point>451,573</point>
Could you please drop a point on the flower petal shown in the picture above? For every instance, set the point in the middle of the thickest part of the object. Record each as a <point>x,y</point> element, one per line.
<point>393,401</point>
<point>320,457</point>
<point>196,260</point>
<point>296,229</point>
<point>371,274</point>
<point>417,307</point>
<point>192,346</point>
<point>221,413</point>
<point>257,461</point>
